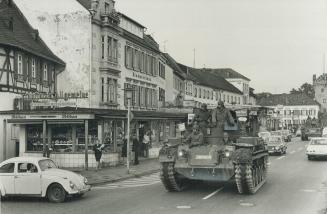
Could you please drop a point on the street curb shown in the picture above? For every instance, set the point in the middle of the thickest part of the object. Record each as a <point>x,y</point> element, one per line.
<point>98,183</point>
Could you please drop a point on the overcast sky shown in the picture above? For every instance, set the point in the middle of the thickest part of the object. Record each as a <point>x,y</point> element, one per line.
<point>278,44</point>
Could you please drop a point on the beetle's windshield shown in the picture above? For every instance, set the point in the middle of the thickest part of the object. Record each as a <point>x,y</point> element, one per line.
<point>47,164</point>
<point>319,142</point>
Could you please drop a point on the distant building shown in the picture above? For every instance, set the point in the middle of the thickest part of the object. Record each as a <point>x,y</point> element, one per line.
<point>290,109</point>
<point>252,97</point>
<point>320,88</point>
<point>238,80</point>
<point>204,87</point>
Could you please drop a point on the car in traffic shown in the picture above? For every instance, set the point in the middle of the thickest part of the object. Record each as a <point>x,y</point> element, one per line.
<point>39,177</point>
<point>287,136</point>
<point>317,148</point>
<point>324,132</point>
<point>264,136</point>
<point>276,145</point>
<point>298,132</point>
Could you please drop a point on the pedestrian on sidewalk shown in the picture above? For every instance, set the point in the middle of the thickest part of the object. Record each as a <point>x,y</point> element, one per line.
<point>136,149</point>
<point>98,148</point>
<point>146,143</point>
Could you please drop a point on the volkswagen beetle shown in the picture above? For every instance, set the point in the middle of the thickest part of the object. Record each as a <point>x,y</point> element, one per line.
<point>39,177</point>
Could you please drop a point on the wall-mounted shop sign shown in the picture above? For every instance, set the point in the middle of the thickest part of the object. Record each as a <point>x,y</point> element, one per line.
<point>140,76</point>
<point>53,104</point>
<point>57,96</point>
<point>63,116</point>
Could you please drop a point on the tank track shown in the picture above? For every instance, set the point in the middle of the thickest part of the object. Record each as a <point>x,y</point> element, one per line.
<point>169,179</point>
<point>250,177</point>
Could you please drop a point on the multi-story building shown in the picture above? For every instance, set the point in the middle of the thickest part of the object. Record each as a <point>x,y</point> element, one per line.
<point>105,53</point>
<point>238,80</point>
<point>291,109</point>
<point>27,66</point>
<point>320,88</point>
<point>205,87</point>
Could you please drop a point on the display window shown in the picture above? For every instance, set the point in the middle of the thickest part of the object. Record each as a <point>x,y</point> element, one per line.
<point>34,136</point>
<point>61,138</point>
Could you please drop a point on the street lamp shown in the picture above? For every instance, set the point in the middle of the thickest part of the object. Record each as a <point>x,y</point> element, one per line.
<point>129,95</point>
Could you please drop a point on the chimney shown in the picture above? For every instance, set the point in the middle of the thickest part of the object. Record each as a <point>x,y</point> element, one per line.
<point>314,78</point>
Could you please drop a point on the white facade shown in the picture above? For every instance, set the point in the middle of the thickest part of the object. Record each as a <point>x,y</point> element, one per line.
<point>243,86</point>
<point>295,115</point>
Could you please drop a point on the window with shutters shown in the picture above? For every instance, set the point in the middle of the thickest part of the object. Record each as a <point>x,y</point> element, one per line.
<point>102,89</point>
<point>20,64</point>
<point>162,73</point>
<point>45,72</point>
<point>102,47</point>
<point>33,67</point>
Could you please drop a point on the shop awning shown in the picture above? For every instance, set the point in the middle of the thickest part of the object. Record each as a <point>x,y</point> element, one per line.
<point>155,115</point>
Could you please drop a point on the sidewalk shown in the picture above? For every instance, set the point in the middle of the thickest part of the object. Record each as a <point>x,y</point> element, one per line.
<point>118,173</point>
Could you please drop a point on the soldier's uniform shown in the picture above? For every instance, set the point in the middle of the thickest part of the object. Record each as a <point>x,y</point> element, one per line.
<point>195,139</point>
<point>202,117</point>
<point>219,117</point>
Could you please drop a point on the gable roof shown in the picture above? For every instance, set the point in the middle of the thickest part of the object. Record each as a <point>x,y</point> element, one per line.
<point>85,3</point>
<point>203,78</point>
<point>173,64</point>
<point>23,36</point>
<point>298,99</point>
<point>145,41</point>
<point>226,73</point>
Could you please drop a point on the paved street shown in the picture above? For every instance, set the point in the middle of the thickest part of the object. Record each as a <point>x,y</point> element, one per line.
<point>295,185</point>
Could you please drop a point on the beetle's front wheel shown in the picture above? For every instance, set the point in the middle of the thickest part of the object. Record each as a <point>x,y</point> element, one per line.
<point>56,193</point>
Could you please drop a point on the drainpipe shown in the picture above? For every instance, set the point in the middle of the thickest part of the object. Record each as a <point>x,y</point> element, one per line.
<point>91,54</point>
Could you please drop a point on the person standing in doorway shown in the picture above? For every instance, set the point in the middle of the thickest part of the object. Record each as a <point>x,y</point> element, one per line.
<point>97,148</point>
<point>136,149</point>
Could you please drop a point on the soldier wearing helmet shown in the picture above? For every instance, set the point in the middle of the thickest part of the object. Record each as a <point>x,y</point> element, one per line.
<point>196,137</point>
<point>203,117</point>
<point>220,115</point>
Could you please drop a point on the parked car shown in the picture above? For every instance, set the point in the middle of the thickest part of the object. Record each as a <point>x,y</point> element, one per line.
<point>40,177</point>
<point>324,132</point>
<point>287,136</point>
<point>276,144</point>
<point>317,148</point>
<point>298,133</point>
<point>264,136</point>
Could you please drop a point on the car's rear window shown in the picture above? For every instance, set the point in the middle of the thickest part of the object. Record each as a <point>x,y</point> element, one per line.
<point>7,168</point>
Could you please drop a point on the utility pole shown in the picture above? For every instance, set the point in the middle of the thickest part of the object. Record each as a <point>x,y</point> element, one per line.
<point>193,57</point>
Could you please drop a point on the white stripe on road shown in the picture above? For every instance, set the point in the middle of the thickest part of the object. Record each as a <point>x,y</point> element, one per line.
<point>212,194</point>
<point>281,157</point>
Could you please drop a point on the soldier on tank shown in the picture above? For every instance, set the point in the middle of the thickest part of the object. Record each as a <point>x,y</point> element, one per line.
<point>219,116</point>
<point>202,117</point>
<point>196,137</point>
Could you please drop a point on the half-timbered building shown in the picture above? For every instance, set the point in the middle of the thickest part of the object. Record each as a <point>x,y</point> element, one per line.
<point>27,65</point>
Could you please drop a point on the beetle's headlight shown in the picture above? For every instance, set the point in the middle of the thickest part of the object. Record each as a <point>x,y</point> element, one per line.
<point>72,185</point>
<point>227,154</point>
<point>180,153</point>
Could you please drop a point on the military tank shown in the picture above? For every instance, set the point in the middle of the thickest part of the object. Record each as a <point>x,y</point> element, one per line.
<point>243,159</point>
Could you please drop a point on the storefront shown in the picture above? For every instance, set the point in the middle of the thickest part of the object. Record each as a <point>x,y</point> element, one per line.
<point>64,131</point>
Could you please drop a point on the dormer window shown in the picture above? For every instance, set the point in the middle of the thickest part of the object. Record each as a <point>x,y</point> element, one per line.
<point>45,72</point>
<point>20,64</point>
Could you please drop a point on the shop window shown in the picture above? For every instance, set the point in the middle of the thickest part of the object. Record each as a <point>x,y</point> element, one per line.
<point>62,139</point>
<point>34,138</point>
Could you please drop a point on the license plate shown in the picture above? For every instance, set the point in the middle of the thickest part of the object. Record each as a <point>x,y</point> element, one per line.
<point>203,157</point>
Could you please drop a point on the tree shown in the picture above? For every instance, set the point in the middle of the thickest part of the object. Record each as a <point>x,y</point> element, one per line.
<point>263,95</point>
<point>305,88</point>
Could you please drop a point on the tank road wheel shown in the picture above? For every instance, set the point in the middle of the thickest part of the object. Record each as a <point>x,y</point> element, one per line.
<point>255,176</point>
<point>170,178</point>
<point>240,178</point>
